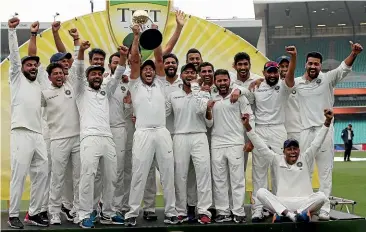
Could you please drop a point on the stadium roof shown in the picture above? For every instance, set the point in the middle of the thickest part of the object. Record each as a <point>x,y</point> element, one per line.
<point>310,14</point>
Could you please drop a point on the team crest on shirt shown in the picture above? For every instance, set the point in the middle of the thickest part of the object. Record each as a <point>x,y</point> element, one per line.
<point>102,92</point>
<point>105,74</point>
<point>293,91</point>
<point>215,90</point>
<point>299,164</point>
<point>277,87</point>
<point>67,92</point>
<point>180,86</point>
<point>318,81</point>
<point>123,88</point>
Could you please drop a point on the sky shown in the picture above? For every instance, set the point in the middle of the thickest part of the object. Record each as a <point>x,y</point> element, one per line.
<point>44,10</point>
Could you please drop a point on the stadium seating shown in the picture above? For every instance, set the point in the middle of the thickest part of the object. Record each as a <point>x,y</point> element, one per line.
<point>359,128</point>
<point>352,85</point>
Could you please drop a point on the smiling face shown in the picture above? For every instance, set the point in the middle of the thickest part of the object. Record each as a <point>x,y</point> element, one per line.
<point>97,59</point>
<point>188,75</point>
<point>114,63</point>
<point>283,67</point>
<point>30,69</point>
<point>242,68</point>
<point>148,74</point>
<point>291,154</point>
<point>313,67</point>
<point>57,77</point>
<point>222,83</point>
<point>65,65</point>
<point>194,58</point>
<point>95,79</point>
<point>271,76</point>
<point>170,67</point>
<point>206,74</point>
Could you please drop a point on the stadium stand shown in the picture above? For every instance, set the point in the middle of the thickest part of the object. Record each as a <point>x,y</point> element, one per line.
<point>351,85</point>
<point>359,128</point>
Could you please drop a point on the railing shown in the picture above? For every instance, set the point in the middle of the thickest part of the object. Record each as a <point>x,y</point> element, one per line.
<point>316,31</point>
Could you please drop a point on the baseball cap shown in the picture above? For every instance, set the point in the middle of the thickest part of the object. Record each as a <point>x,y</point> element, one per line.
<point>59,56</point>
<point>148,62</point>
<point>187,66</point>
<point>270,65</point>
<point>290,142</point>
<point>25,58</point>
<point>94,67</point>
<point>280,59</point>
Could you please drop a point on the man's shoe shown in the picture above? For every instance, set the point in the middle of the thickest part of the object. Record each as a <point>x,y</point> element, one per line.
<point>118,220</point>
<point>223,218</point>
<point>130,221</point>
<point>324,216</point>
<point>15,223</point>
<point>257,216</point>
<point>171,220</point>
<point>37,220</point>
<point>26,218</point>
<point>303,216</point>
<point>182,219</point>
<point>55,219</point>
<point>87,223</point>
<point>44,216</point>
<point>94,216</point>
<point>204,219</point>
<point>150,216</point>
<point>239,219</point>
<point>67,213</point>
<point>191,213</point>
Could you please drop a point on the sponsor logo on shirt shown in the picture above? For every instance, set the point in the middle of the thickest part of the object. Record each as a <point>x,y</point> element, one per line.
<point>51,97</point>
<point>178,97</point>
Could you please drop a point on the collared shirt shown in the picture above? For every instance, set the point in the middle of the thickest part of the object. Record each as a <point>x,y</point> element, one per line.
<point>169,88</point>
<point>228,129</point>
<point>25,94</point>
<point>93,104</point>
<point>246,83</point>
<point>292,114</point>
<point>292,180</point>
<point>316,95</point>
<point>148,103</point>
<point>189,111</point>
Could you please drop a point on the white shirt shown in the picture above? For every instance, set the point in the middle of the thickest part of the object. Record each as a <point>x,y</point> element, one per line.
<point>169,88</point>
<point>270,102</point>
<point>189,111</point>
<point>25,94</point>
<point>316,95</point>
<point>252,77</point>
<point>228,129</point>
<point>349,134</point>
<point>292,114</point>
<point>93,104</point>
<point>292,180</point>
<point>148,103</point>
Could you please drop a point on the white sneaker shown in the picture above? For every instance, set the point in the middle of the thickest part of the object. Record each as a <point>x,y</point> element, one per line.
<point>55,219</point>
<point>257,215</point>
<point>76,219</point>
<point>324,216</point>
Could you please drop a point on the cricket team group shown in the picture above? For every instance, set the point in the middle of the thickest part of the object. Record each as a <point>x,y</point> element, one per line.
<point>91,138</point>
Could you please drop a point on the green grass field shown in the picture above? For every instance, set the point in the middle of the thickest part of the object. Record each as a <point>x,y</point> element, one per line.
<point>348,182</point>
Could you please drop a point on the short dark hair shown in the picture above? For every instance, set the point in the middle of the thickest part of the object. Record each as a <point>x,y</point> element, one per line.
<point>205,64</point>
<point>171,55</point>
<point>221,72</point>
<point>241,56</point>
<point>52,66</point>
<point>192,50</point>
<point>316,55</point>
<point>96,51</point>
<point>113,55</point>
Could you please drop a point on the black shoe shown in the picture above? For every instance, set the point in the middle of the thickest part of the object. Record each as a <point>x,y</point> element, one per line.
<point>67,213</point>
<point>150,216</point>
<point>15,223</point>
<point>239,219</point>
<point>223,218</point>
<point>130,221</point>
<point>191,213</point>
<point>213,212</point>
<point>44,216</point>
<point>171,220</point>
<point>37,220</point>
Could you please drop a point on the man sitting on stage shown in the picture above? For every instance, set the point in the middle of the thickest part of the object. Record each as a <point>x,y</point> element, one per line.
<point>295,199</point>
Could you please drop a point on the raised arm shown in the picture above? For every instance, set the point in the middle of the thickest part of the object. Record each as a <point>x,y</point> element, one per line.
<point>113,83</point>
<point>78,83</point>
<point>290,75</point>
<point>180,19</point>
<point>15,62</point>
<point>135,55</point>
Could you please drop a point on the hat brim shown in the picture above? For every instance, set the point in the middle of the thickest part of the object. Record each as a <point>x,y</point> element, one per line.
<point>35,58</point>
<point>67,55</point>
<point>187,66</point>
<point>101,68</point>
<point>148,63</point>
<point>271,69</point>
<point>292,143</point>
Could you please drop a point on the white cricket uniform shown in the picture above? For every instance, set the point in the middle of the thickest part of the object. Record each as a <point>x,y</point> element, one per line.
<point>292,117</point>
<point>227,155</point>
<point>313,97</point>
<point>28,151</point>
<point>269,113</point>
<point>190,142</point>
<point>151,138</point>
<point>294,187</point>
<point>63,120</point>
<point>97,144</point>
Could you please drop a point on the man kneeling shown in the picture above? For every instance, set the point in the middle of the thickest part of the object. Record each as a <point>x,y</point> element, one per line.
<point>294,199</point>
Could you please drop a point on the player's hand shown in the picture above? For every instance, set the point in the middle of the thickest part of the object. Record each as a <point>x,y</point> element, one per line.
<point>245,120</point>
<point>210,105</point>
<point>328,115</point>
<point>84,45</point>
<point>127,99</point>
<point>133,119</point>
<point>206,88</point>
<point>248,147</point>
<point>123,50</point>
<point>34,27</point>
<point>56,26</point>
<point>154,26</point>
<point>235,96</point>
<point>356,48</point>
<point>13,22</point>
<point>136,29</point>
<point>74,33</point>
<point>255,84</point>
<point>180,18</point>
<point>291,50</point>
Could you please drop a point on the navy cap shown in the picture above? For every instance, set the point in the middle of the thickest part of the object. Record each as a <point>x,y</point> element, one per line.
<point>148,62</point>
<point>270,65</point>
<point>94,67</point>
<point>25,58</point>
<point>60,56</point>
<point>187,66</point>
<point>290,142</point>
<point>280,59</point>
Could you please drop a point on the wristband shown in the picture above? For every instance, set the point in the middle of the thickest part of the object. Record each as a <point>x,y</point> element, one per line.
<point>76,39</point>
<point>33,33</point>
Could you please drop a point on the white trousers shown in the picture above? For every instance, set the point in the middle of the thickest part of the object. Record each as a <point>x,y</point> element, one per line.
<point>64,151</point>
<point>293,204</point>
<point>28,153</point>
<point>324,159</point>
<point>46,195</point>
<point>294,135</point>
<point>147,145</point>
<point>274,136</point>
<point>192,147</point>
<point>228,160</point>
<point>68,194</point>
<point>95,150</point>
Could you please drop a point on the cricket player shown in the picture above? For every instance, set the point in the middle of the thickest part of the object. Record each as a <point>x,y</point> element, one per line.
<point>295,199</point>
<point>63,119</point>
<point>27,146</point>
<point>151,138</point>
<point>190,142</point>
<point>270,100</point>
<point>315,91</point>
<point>97,146</point>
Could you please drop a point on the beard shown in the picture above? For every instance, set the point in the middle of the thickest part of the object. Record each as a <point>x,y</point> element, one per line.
<point>271,81</point>
<point>31,75</point>
<point>312,73</point>
<point>223,89</point>
<point>170,72</point>
<point>95,84</point>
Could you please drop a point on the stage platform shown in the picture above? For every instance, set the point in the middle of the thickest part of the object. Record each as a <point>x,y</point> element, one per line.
<point>341,222</point>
